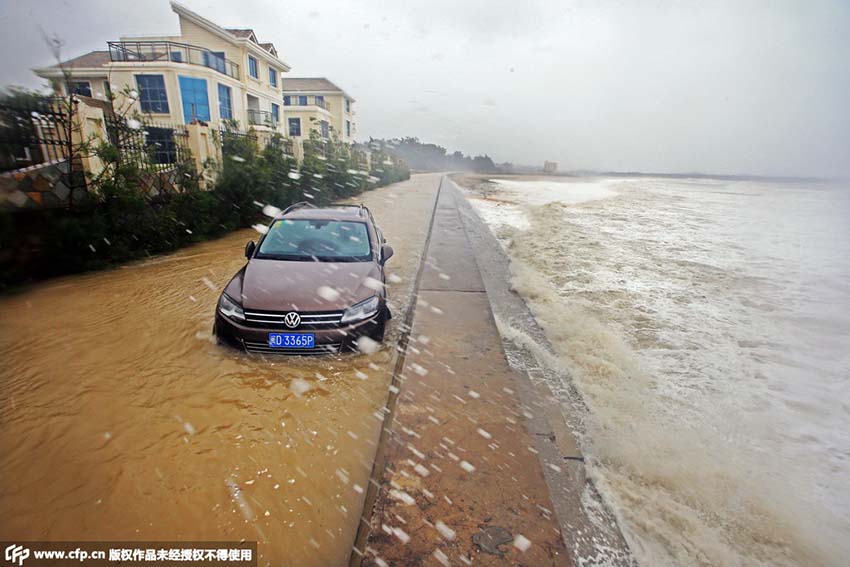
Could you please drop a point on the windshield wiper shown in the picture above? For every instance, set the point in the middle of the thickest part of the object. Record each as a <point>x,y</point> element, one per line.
<point>303,258</point>
<point>287,257</point>
<point>340,259</point>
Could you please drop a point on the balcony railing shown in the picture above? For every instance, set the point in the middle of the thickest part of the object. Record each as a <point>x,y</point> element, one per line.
<point>261,118</point>
<point>294,101</point>
<point>174,52</point>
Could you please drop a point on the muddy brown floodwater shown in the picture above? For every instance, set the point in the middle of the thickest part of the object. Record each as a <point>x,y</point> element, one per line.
<point>122,420</point>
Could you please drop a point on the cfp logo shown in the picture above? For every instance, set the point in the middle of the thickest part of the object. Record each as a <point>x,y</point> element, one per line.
<point>17,554</point>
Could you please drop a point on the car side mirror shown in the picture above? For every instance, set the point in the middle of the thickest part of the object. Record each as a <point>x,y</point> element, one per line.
<point>249,249</point>
<point>386,253</point>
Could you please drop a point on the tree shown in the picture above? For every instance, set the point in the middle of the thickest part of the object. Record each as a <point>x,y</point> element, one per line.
<point>431,157</point>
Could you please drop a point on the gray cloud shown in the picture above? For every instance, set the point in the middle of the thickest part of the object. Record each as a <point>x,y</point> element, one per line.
<point>726,86</point>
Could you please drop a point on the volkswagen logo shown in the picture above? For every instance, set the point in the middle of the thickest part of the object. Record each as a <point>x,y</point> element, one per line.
<point>292,319</point>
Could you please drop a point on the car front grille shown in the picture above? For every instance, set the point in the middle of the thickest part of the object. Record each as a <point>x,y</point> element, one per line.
<point>309,319</point>
<point>264,348</point>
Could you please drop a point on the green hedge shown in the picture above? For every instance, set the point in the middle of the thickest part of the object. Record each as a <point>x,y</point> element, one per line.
<point>123,225</point>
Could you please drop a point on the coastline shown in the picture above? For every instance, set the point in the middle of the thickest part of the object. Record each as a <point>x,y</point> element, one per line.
<point>578,503</point>
<point>537,459</point>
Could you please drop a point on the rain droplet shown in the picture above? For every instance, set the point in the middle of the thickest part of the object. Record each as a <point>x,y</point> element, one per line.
<point>521,542</point>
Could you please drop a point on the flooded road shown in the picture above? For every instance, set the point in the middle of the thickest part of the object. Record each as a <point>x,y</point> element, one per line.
<point>122,420</point>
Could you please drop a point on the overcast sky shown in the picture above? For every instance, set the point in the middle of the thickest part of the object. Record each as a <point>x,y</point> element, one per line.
<point>725,86</point>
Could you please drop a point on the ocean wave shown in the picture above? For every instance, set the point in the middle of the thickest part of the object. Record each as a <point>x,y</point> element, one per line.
<point>672,327</point>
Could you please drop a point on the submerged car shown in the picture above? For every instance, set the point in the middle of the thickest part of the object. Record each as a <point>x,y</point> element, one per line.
<point>314,283</point>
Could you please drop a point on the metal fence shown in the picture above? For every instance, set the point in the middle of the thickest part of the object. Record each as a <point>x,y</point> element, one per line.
<point>153,147</point>
<point>229,136</point>
<point>34,132</point>
<point>160,151</point>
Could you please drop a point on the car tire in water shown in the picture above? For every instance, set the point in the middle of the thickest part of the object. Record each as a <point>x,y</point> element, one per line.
<point>218,340</point>
<point>378,334</point>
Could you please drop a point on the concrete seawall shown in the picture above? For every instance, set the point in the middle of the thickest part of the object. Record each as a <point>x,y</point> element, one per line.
<point>476,464</point>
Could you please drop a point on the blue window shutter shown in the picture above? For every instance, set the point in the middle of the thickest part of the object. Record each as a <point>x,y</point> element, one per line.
<point>225,105</point>
<point>196,103</point>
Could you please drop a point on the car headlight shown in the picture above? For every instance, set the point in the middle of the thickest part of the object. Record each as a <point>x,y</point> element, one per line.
<point>362,310</point>
<point>229,308</point>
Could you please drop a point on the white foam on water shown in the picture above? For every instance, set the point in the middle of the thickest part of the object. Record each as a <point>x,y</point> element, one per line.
<point>508,203</point>
<point>569,191</point>
<point>705,324</point>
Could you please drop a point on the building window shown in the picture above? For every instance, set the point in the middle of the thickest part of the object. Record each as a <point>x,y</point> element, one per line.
<point>320,100</point>
<point>287,101</point>
<point>82,88</point>
<point>348,106</point>
<point>196,103</point>
<point>302,101</point>
<point>272,77</point>
<point>152,94</point>
<point>294,126</point>
<point>225,107</point>
<point>325,129</point>
<point>215,60</point>
<point>348,128</point>
<point>253,67</point>
<point>160,144</point>
<point>275,115</point>
<point>107,90</point>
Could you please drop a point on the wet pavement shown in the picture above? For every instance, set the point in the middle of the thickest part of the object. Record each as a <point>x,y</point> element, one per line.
<point>558,412</point>
<point>459,474</point>
<point>121,420</point>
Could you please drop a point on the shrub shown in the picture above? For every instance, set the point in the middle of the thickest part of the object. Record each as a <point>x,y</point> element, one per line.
<point>122,224</point>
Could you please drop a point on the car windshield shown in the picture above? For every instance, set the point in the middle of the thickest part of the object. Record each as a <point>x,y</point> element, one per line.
<point>320,240</point>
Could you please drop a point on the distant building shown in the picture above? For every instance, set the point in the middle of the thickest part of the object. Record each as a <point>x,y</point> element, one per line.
<point>317,104</point>
<point>550,167</point>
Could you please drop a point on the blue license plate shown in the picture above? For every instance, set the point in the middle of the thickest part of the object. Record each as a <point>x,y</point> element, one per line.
<point>292,340</point>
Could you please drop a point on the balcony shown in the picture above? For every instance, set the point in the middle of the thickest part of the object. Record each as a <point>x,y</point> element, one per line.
<point>261,118</point>
<point>294,100</point>
<point>165,51</point>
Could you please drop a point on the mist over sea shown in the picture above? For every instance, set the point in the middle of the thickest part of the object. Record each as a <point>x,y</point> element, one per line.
<point>706,323</point>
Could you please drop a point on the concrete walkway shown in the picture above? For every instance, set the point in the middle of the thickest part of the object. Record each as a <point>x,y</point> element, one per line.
<point>458,475</point>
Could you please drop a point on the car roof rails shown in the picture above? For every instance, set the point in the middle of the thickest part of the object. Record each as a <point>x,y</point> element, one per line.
<point>362,208</point>
<point>297,205</point>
